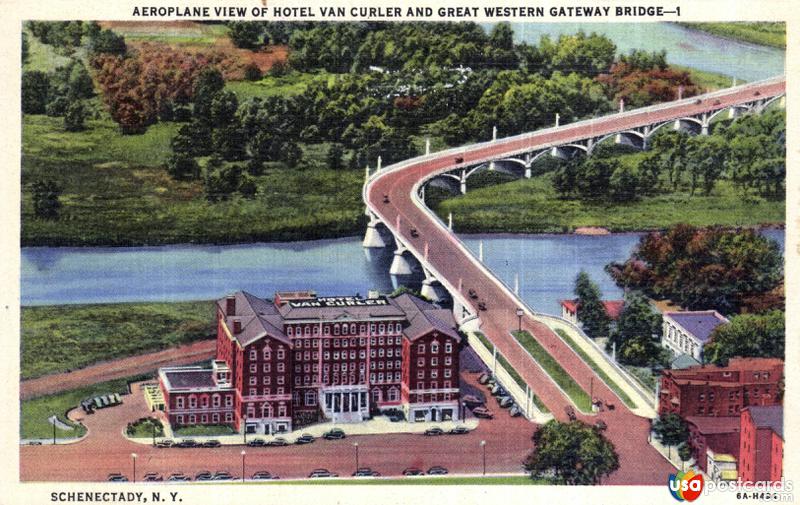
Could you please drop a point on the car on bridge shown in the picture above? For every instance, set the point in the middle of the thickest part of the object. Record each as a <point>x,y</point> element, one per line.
<point>366,472</point>
<point>414,232</point>
<point>204,475</point>
<point>152,477</point>
<point>178,477</point>
<point>437,470</point>
<point>459,159</point>
<point>412,472</point>
<point>321,473</point>
<point>262,475</point>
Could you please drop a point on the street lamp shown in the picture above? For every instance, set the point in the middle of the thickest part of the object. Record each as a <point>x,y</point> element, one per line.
<point>133,457</point>
<point>243,454</point>
<point>483,447</point>
<point>355,444</point>
<point>54,428</point>
<point>520,313</point>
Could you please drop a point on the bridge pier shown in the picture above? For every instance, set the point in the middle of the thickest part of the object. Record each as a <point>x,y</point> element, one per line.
<point>463,182</point>
<point>372,238</point>
<point>400,264</point>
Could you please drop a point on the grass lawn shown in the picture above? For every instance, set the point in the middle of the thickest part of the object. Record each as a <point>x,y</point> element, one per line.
<point>62,337</point>
<point>34,412</point>
<point>413,481</point>
<point>203,430</point>
<point>511,371</point>
<point>766,34</point>
<point>708,80</point>
<point>592,363</point>
<point>42,57</point>
<point>143,428</point>
<point>554,370</point>
<point>532,206</point>
<point>290,84</point>
<point>176,33</point>
<point>117,192</point>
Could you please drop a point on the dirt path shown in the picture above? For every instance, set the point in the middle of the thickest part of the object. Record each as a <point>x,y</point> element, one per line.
<point>116,369</point>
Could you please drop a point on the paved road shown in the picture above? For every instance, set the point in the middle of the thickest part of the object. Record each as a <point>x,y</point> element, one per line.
<point>640,463</point>
<point>117,369</point>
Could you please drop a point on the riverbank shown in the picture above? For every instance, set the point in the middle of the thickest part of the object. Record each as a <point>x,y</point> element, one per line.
<point>765,34</point>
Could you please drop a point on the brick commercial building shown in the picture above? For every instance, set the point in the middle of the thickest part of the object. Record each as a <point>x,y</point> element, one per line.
<point>761,444</point>
<point>719,435</point>
<point>301,358</point>
<point>720,391</point>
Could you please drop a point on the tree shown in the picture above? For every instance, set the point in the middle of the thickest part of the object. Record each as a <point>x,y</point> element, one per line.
<point>748,335</point>
<point>245,34</point>
<point>108,42</point>
<point>671,430</point>
<point>75,117</point>
<point>591,311</point>
<point>252,72</point>
<point>25,51</point>
<point>624,184</point>
<point>206,87</point>
<point>637,334</point>
<point>334,158</point>
<point>35,92</point>
<point>572,453</point>
<point>182,167</point>
<point>46,204</point>
<point>685,452</point>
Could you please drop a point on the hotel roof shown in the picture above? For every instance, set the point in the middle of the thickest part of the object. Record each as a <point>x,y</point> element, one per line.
<point>768,417</point>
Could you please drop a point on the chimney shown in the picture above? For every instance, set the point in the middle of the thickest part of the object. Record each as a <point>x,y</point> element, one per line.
<point>230,305</point>
<point>237,326</point>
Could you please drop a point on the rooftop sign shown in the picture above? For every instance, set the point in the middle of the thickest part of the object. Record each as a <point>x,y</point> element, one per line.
<point>338,301</point>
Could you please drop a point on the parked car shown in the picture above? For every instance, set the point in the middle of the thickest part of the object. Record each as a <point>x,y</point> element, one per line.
<point>505,401</point>
<point>256,442</point>
<point>223,476</point>
<point>437,470</point>
<point>204,475</point>
<point>459,430</point>
<point>481,305</point>
<point>34,442</point>
<point>305,438</point>
<point>432,432</point>
<point>278,442</point>
<point>471,400</point>
<point>183,444</point>
<point>178,477</point>
<point>366,472</point>
<point>414,232</point>
<point>118,478</point>
<point>385,198</point>
<point>262,475</point>
<point>472,294</point>
<point>410,472</point>
<point>601,425</point>
<point>570,412</point>
<point>321,473</point>
<point>497,390</point>
<point>484,378</point>
<point>482,413</point>
<point>395,416</point>
<point>334,434</point>
<point>152,477</point>
<point>164,444</point>
<point>210,443</point>
<point>515,411</point>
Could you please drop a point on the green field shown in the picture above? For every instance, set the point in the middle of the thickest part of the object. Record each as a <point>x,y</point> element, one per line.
<point>555,370</point>
<point>532,206</point>
<point>62,337</point>
<point>599,371</point>
<point>204,430</point>
<point>34,412</point>
<point>291,84</point>
<point>195,34</point>
<point>511,371</point>
<point>116,192</point>
<point>146,428</point>
<point>708,80</point>
<point>765,34</point>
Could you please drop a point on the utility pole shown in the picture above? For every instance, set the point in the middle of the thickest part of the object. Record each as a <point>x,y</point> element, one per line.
<point>54,428</point>
<point>483,447</point>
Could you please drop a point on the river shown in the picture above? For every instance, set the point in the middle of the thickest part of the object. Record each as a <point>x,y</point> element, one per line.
<point>546,264</point>
<point>685,47</point>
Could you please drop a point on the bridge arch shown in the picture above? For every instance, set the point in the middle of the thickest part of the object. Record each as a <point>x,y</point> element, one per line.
<point>627,137</point>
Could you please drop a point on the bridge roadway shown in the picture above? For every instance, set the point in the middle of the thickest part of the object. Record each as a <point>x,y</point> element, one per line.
<point>639,462</point>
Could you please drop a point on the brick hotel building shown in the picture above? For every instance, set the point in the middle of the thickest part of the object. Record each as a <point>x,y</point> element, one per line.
<point>301,358</point>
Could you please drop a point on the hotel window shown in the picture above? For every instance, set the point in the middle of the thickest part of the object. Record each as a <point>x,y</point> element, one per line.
<point>345,332</point>
<point>315,355</point>
<point>362,354</point>
<point>335,354</point>
<point>265,391</point>
<point>204,402</point>
<point>192,419</point>
<point>326,368</point>
<point>372,328</point>
<point>381,330</point>
<point>215,401</point>
<point>179,402</point>
<point>229,400</point>
<point>228,417</point>
<point>253,368</point>
<point>281,367</point>
<point>380,377</point>
<point>389,365</point>
<point>361,330</point>
<point>434,374</point>
<point>336,367</point>
<point>306,355</point>
<point>397,376</point>
<point>252,380</point>
<point>353,332</point>
<point>311,398</point>
<point>397,364</point>
<point>352,355</point>
<point>362,341</point>
<point>435,347</point>
<point>420,362</point>
<point>447,373</point>
<point>380,352</point>
<point>179,419</point>
<point>448,360</point>
<point>280,379</point>
<point>389,353</point>
<point>373,341</point>
<point>280,391</point>
<point>266,368</point>
<point>253,355</point>
<point>289,331</point>
<point>421,348</point>
<point>447,397</point>
<point>373,353</point>
<point>308,331</point>
<point>306,368</point>
<point>326,330</point>
<point>434,361</point>
<point>267,354</point>
<point>434,385</point>
<point>362,366</point>
<point>192,402</point>
<point>281,353</point>
<point>307,380</point>
<point>336,332</point>
<point>393,394</point>
<point>327,355</point>
<point>380,365</point>
<point>215,418</point>
<point>373,365</point>
<point>420,385</point>
<point>448,347</point>
<point>315,368</point>
<point>381,341</point>
<point>204,419</point>
<point>420,374</point>
<point>372,377</point>
<point>448,385</point>
<point>266,379</point>
<point>296,380</point>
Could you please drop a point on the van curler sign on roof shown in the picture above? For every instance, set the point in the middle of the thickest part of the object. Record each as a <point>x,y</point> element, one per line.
<point>338,301</point>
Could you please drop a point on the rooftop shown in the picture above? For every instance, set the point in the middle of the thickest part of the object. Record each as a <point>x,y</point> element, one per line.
<point>714,425</point>
<point>699,323</point>
<point>768,417</point>
<point>613,307</point>
<point>714,374</point>
<point>188,378</point>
